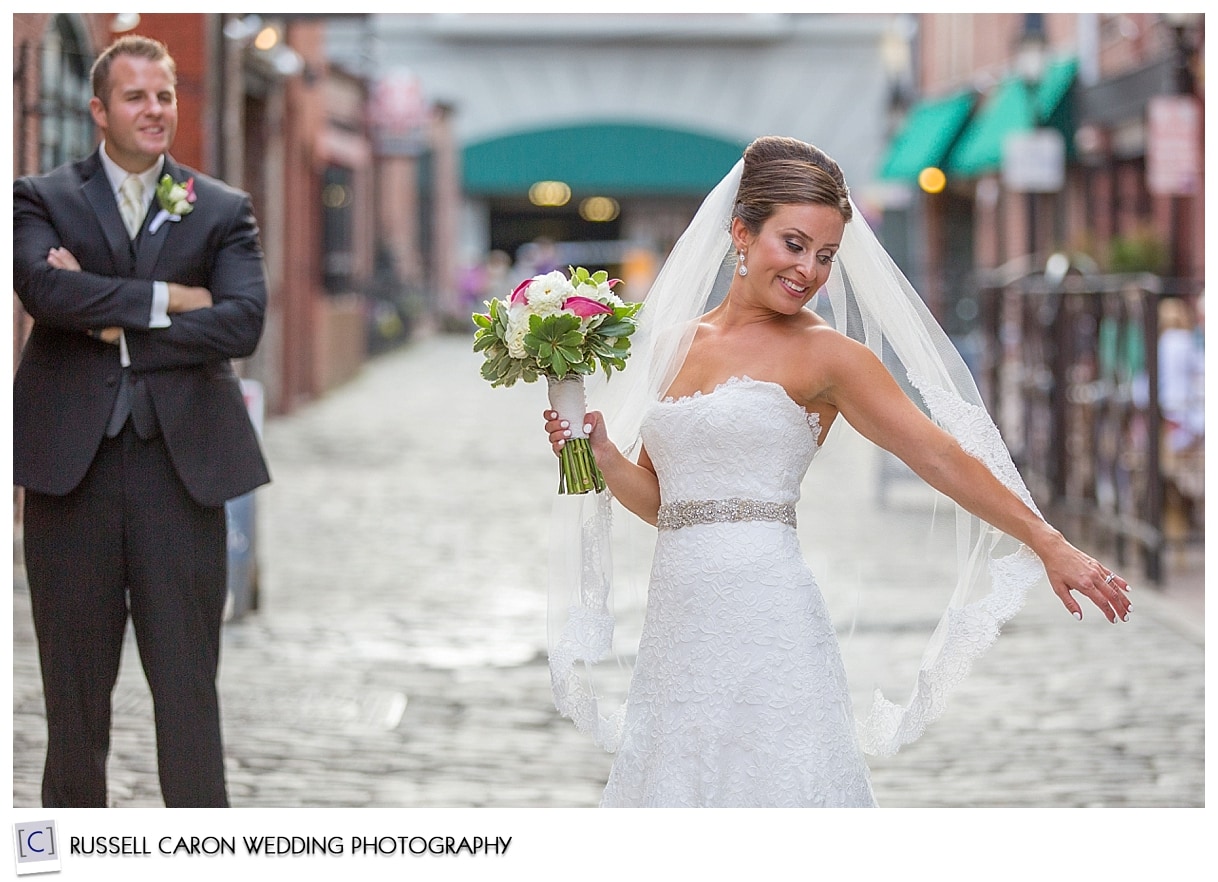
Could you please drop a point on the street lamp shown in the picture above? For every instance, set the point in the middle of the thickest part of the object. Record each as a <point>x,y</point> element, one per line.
<point>267,38</point>
<point>1181,24</point>
<point>1034,162</point>
<point>1030,67</point>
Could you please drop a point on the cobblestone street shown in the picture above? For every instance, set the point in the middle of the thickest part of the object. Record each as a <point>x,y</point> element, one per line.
<point>397,657</point>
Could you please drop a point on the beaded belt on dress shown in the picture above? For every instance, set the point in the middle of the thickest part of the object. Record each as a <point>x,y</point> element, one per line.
<point>674,515</point>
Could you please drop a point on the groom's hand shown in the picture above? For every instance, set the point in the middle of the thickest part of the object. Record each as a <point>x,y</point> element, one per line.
<point>185,298</point>
<point>62,258</point>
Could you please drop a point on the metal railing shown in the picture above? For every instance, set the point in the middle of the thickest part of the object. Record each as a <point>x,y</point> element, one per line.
<point>1071,374</point>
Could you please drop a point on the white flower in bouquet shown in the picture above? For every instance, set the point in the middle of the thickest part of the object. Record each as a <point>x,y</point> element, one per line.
<point>600,292</point>
<point>542,296</point>
<point>546,294</point>
<point>517,329</point>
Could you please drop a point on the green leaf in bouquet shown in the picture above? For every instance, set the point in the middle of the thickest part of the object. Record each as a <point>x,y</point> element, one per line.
<point>491,373</point>
<point>616,329</point>
<point>517,369</point>
<point>545,335</point>
<point>602,351</point>
<point>563,323</point>
<point>498,313</point>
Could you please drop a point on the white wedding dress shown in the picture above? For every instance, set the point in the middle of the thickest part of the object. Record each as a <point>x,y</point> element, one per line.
<point>738,696</point>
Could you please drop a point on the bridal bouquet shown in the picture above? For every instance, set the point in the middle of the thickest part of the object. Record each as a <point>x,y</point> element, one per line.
<point>562,328</point>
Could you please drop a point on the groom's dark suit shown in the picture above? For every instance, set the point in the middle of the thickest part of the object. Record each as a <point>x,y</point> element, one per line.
<point>132,524</point>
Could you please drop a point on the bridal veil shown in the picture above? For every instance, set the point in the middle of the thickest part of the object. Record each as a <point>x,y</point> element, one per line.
<point>960,581</point>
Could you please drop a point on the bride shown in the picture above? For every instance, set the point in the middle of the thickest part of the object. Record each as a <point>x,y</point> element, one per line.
<point>739,694</point>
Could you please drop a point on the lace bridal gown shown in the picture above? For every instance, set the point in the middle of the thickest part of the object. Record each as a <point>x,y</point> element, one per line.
<point>739,696</point>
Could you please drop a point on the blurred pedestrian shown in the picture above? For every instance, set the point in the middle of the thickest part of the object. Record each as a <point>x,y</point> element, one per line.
<point>485,278</point>
<point>498,273</point>
<point>537,258</point>
<point>130,429</point>
<point>471,285</point>
<point>1182,402</point>
<point>1181,373</point>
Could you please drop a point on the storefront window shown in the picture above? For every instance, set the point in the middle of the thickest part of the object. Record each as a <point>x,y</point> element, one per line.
<point>66,126</point>
<point>337,197</point>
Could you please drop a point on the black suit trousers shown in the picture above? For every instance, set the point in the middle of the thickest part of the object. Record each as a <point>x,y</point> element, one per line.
<point>128,542</point>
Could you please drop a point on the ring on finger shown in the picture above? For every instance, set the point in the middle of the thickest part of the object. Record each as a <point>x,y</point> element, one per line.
<point>1111,576</point>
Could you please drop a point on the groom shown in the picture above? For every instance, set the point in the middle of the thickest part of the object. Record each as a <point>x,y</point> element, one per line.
<point>130,429</point>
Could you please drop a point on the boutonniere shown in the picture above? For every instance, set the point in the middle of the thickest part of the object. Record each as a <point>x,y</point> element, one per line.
<point>176,201</point>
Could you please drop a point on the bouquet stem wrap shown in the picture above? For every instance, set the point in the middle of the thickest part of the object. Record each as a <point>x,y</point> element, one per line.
<point>578,471</point>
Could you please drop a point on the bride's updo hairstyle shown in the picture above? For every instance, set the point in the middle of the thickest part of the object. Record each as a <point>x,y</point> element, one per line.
<point>786,171</point>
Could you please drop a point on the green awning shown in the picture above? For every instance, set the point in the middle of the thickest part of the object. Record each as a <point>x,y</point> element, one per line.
<point>1054,86</point>
<point>1008,109</point>
<point>979,149</point>
<point>930,129</point>
<point>609,158</point>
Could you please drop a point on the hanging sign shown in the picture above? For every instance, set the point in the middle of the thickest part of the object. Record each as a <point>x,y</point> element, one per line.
<point>1034,161</point>
<point>1173,147</point>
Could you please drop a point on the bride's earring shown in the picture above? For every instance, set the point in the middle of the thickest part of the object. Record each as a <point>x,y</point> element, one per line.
<point>744,270</point>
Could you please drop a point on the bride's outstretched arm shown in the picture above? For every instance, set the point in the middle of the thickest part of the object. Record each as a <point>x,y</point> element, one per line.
<point>866,394</point>
<point>633,485</point>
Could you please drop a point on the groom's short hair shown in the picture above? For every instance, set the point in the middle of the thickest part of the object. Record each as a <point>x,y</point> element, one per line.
<point>130,44</point>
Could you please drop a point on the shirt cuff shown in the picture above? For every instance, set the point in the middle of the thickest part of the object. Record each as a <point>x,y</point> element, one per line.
<point>160,306</point>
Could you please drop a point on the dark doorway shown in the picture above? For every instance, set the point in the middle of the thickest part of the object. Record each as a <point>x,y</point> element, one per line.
<point>515,224</point>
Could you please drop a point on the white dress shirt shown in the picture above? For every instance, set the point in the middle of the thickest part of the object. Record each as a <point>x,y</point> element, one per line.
<point>159,317</point>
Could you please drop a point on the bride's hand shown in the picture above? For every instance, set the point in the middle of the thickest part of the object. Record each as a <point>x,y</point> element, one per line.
<point>1071,570</point>
<point>560,430</point>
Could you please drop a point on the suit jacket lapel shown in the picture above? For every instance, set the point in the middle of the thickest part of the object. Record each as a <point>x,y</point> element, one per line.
<point>148,245</point>
<point>97,191</point>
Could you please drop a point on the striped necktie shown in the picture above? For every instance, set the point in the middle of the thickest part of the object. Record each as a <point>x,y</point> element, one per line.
<point>131,204</point>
